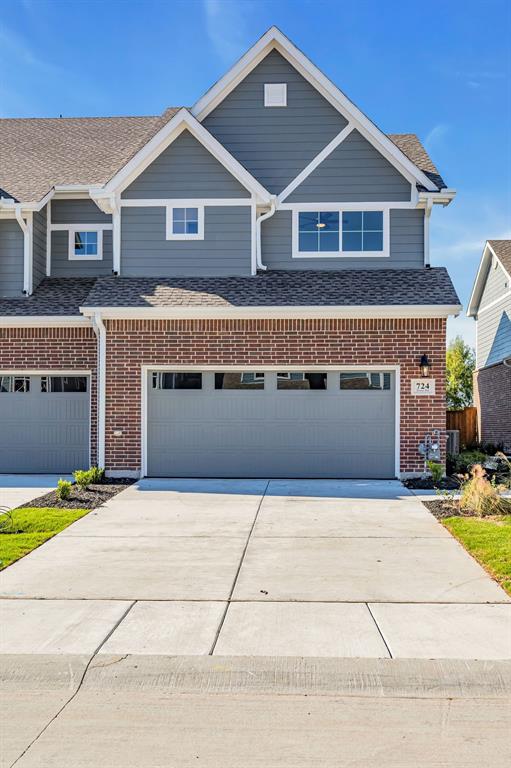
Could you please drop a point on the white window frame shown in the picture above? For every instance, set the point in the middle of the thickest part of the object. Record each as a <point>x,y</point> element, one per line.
<point>340,209</point>
<point>72,256</point>
<point>275,95</point>
<point>169,220</point>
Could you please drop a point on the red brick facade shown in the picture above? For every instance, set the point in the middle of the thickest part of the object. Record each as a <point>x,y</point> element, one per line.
<point>133,343</point>
<point>53,349</point>
<point>492,396</point>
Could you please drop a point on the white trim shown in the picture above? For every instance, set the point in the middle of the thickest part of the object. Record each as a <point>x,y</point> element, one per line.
<point>116,235</point>
<point>315,162</point>
<point>185,202</point>
<point>488,252</point>
<point>283,312</point>
<point>340,254</point>
<point>427,216</point>
<point>506,295</point>
<point>100,331</point>
<point>169,220</point>
<point>85,225</point>
<point>274,39</point>
<point>144,370</point>
<point>273,97</point>
<point>44,321</point>
<point>328,205</point>
<point>182,120</point>
<point>48,239</point>
<point>253,239</point>
<point>72,256</point>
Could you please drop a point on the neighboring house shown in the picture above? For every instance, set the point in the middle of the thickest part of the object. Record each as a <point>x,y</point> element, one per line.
<point>490,305</point>
<point>241,288</point>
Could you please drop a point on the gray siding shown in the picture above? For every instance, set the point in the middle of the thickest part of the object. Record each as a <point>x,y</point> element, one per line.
<point>406,245</point>
<point>494,324</point>
<point>77,212</point>
<point>274,143</point>
<point>226,249</point>
<point>185,169</point>
<point>11,258</point>
<point>61,266</point>
<point>354,172</point>
<point>39,247</point>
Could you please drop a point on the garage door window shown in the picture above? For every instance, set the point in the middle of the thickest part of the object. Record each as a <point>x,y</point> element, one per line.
<point>301,381</point>
<point>9,384</point>
<point>166,380</point>
<point>66,384</point>
<point>365,380</point>
<point>239,380</point>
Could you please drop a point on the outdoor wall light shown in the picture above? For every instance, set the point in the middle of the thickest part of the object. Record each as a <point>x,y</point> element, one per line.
<point>425,365</point>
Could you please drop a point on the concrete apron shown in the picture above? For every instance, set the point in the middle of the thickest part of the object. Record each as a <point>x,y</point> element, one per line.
<point>155,711</point>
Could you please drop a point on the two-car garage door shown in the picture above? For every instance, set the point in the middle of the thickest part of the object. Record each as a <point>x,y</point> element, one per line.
<point>44,423</point>
<point>271,424</point>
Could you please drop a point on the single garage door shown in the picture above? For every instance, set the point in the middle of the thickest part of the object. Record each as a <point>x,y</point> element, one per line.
<point>271,424</point>
<point>45,423</point>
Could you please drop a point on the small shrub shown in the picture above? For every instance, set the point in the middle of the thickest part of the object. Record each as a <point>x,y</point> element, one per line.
<point>82,477</point>
<point>64,489</point>
<point>481,497</point>
<point>97,475</point>
<point>464,462</point>
<point>436,469</point>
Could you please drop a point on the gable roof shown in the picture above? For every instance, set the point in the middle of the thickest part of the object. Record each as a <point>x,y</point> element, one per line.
<point>38,154</point>
<point>501,250</point>
<point>275,39</point>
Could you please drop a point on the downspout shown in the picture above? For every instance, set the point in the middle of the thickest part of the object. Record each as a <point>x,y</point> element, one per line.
<point>427,214</point>
<point>268,215</point>
<point>100,331</point>
<point>116,235</point>
<point>27,250</point>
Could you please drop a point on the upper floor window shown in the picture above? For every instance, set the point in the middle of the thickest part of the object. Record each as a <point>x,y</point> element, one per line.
<point>275,94</point>
<point>318,231</point>
<point>340,233</point>
<point>185,223</point>
<point>362,231</point>
<point>85,244</point>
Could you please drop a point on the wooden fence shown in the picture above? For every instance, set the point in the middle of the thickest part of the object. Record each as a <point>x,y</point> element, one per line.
<point>466,422</point>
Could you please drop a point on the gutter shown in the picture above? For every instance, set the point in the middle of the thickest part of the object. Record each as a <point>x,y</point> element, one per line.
<point>268,215</point>
<point>100,331</point>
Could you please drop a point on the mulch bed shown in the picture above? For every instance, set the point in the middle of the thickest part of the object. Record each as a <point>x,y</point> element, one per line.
<point>427,484</point>
<point>441,508</point>
<point>88,498</point>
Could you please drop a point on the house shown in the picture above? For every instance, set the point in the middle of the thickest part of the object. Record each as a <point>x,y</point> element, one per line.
<point>490,305</point>
<point>241,288</point>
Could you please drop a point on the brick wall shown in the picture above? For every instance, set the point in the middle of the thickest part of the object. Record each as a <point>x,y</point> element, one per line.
<point>133,343</point>
<point>492,396</point>
<point>53,349</point>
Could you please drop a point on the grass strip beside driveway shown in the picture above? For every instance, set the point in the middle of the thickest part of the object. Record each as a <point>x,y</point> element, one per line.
<point>29,527</point>
<point>489,541</point>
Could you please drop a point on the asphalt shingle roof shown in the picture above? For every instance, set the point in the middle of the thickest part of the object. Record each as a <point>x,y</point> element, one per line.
<point>55,296</point>
<point>280,288</point>
<point>39,153</point>
<point>502,250</point>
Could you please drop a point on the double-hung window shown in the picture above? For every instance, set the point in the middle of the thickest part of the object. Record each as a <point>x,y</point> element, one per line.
<point>85,244</point>
<point>185,222</point>
<point>340,233</point>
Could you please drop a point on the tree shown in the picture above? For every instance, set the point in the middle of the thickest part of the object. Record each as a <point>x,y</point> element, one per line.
<point>460,364</point>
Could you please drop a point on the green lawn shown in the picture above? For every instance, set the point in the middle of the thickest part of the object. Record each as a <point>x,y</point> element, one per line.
<point>30,527</point>
<point>489,541</point>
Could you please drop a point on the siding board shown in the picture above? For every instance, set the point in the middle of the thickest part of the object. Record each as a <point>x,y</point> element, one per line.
<point>186,169</point>
<point>61,266</point>
<point>39,247</point>
<point>11,258</point>
<point>494,324</point>
<point>225,250</point>
<point>274,144</point>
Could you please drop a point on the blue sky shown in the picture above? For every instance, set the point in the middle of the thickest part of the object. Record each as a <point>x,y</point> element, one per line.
<point>439,69</point>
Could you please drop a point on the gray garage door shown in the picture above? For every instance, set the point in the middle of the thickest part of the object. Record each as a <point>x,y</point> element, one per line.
<point>44,423</point>
<point>278,424</point>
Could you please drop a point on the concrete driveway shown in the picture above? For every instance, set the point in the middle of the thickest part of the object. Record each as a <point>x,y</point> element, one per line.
<point>260,568</point>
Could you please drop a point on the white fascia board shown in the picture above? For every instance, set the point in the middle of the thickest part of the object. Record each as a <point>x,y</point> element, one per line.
<point>282,312</point>
<point>443,197</point>
<point>182,120</point>
<point>44,321</point>
<point>26,207</point>
<point>477,290</point>
<point>275,39</point>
